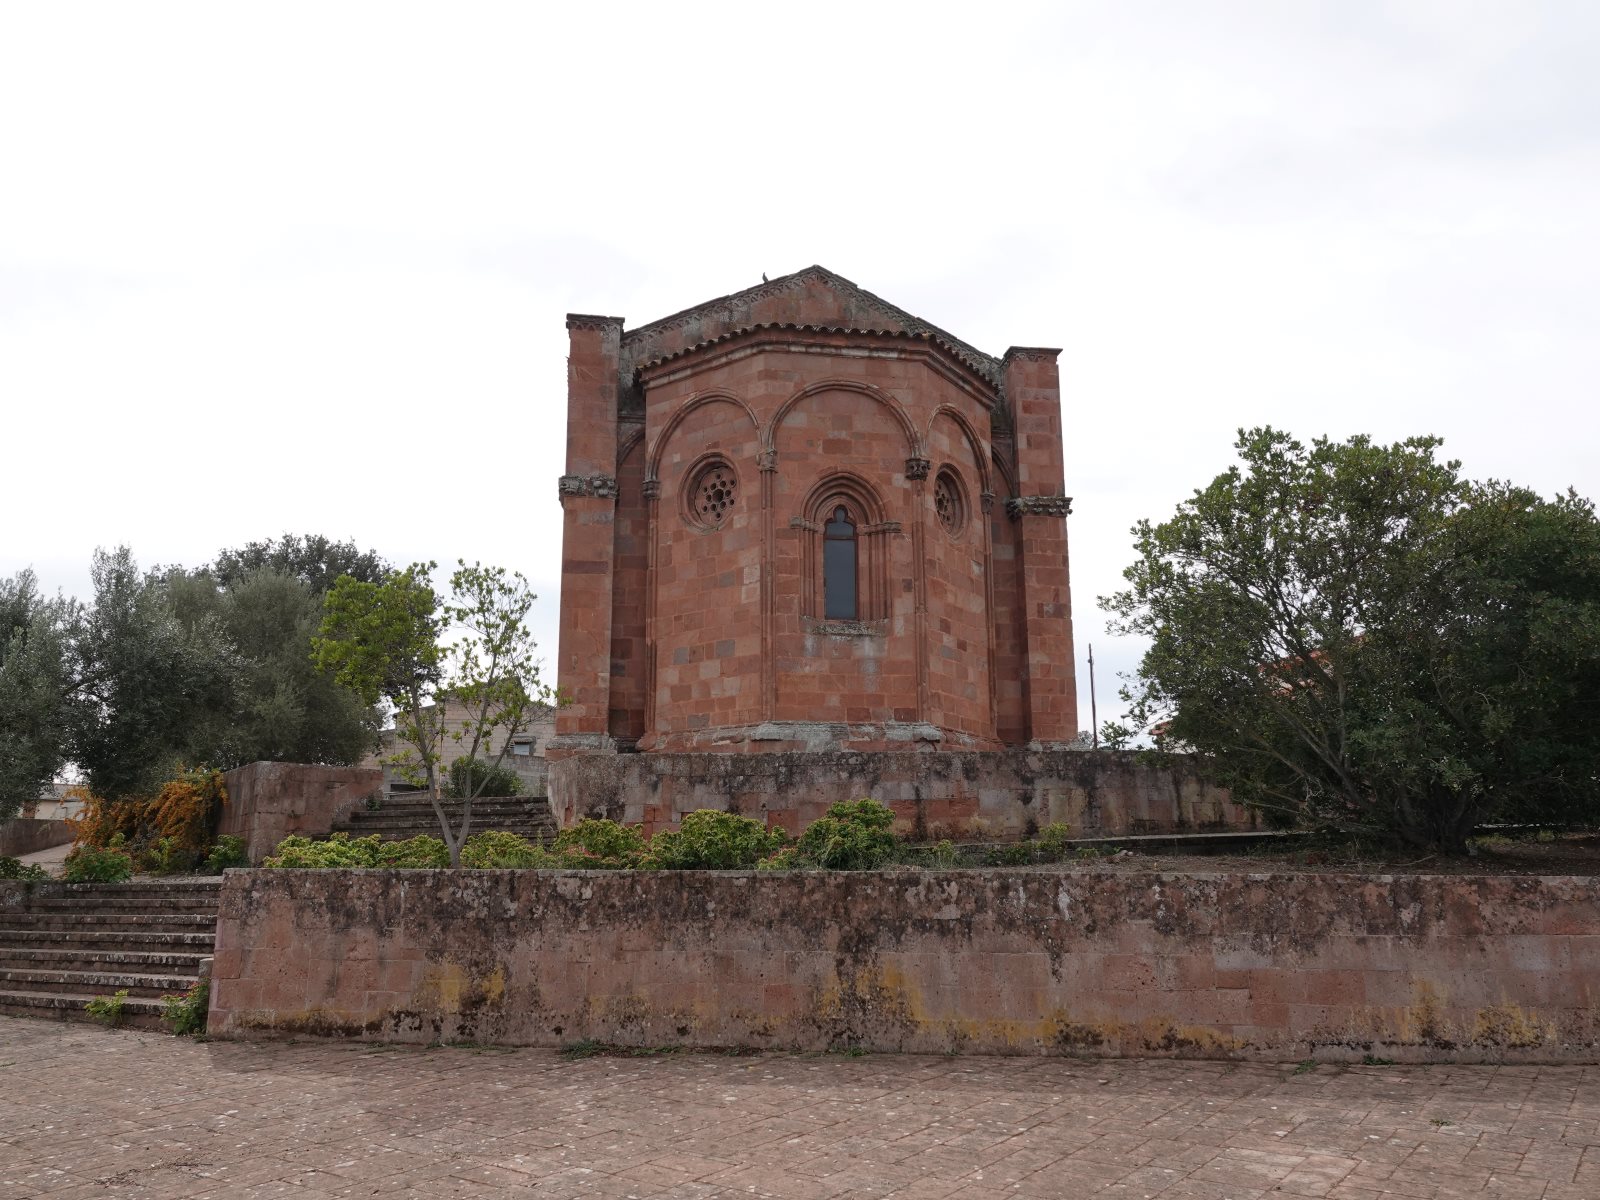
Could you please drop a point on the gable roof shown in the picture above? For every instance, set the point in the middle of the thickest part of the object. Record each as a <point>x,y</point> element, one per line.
<point>813,297</point>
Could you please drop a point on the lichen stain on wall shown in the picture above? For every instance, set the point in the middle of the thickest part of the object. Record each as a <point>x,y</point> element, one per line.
<point>1005,961</point>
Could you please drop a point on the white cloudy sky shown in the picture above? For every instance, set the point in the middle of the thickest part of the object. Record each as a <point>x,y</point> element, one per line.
<point>304,267</point>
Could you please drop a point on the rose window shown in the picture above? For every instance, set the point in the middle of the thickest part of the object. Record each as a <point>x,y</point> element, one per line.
<point>712,495</point>
<point>947,504</point>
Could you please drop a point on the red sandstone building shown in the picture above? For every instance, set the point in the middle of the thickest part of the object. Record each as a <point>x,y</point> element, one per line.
<point>808,534</point>
<point>798,517</point>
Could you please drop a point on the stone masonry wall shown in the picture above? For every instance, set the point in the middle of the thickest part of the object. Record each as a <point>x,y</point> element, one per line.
<point>24,835</point>
<point>268,801</point>
<point>1276,967</point>
<point>1003,795</point>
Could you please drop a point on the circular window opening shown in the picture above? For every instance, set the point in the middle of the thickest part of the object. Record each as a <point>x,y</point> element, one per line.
<point>711,495</point>
<point>948,505</point>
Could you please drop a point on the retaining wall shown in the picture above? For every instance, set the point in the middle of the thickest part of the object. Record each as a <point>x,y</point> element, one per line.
<point>1277,967</point>
<point>1000,794</point>
<point>24,835</point>
<point>267,801</point>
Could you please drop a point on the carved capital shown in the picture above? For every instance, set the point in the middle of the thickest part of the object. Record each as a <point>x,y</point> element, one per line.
<point>987,500</point>
<point>767,460</point>
<point>917,468</point>
<point>602,486</point>
<point>652,489</point>
<point>1038,506</point>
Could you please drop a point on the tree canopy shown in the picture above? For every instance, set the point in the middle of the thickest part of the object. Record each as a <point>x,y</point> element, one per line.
<point>1350,634</point>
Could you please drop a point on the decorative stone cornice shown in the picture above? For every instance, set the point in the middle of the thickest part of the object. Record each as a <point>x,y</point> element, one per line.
<point>1038,506</point>
<point>589,321</point>
<point>603,487</point>
<point>917,468</point>
<point>1032,354</point>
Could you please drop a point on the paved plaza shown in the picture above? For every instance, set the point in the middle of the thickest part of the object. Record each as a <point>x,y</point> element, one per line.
<point>90,1112</point>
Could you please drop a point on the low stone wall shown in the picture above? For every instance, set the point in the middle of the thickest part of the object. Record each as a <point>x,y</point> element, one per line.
<point>1278,967</point>
<point>24,835</point>
<point>984,795</point>
<point>268,801</point>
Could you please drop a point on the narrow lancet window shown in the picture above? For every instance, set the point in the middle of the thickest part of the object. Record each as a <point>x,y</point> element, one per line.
<point>839,567</point>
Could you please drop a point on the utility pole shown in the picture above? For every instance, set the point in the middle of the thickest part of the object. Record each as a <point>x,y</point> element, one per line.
<point>1094,714</point>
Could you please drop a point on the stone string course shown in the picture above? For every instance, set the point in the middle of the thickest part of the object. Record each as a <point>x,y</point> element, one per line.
<point>1277,967</point>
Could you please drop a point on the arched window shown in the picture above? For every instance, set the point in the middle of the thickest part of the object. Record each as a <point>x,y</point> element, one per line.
<point>844,552</point>
<point>839,567</point>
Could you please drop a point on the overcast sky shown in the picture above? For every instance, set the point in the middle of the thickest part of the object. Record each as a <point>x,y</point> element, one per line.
<point>305,267</point>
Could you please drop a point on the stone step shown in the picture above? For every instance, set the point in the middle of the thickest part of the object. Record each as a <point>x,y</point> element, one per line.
<point>177,886</point>
<point>387,823</point>
<point>105,939</point>
<point>94,983</point>
<point>479,816</point>
<point>91,958</point>
<point>95,920</point>
<point>138,1012</point>
<point>194,904</point>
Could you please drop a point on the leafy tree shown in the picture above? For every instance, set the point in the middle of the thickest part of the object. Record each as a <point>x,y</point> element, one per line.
<point>316,561</point>
<point>1352,635</point>
<point>35,687</point>
<point>384,641</point>
<point>286,710</point>
<point>142,681</point>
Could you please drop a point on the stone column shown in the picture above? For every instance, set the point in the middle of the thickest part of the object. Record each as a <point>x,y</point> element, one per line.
<point>588,497</point>
<point>1032,390</point>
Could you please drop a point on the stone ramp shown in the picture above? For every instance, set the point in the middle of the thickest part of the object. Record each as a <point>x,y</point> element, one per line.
<point>62,944</point>
<point>401,817</point>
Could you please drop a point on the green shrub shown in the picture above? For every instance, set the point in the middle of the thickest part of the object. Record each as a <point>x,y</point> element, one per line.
<point>709,840</point>
<point>107,1009</point>
<point>1053,839</point>
<point>495,849</point>
<point>342,850</point>
<point>943,854</point>
<point>855,835</point>
<point>474,777</point>
<point>1016,855</point>
<point>167,856</point>
<point>228,852</point>
<point>418,853</point>
<point>787,859</point>
<point>185,1013</point>
<point>595,842</point>
<point>90,864</point>
<point>12,868</point>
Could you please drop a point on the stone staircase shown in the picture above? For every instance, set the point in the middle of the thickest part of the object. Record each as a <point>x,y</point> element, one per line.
<point>403,816</point>
<point>67,943</point>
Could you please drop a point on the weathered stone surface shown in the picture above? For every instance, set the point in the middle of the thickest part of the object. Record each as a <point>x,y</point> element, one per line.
<point>269,801</point>
<point>1003,794</point>
<point>727,436</point>
<point>1271,966</point>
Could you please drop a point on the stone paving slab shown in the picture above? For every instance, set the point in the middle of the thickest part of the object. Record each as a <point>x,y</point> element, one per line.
<point>88,1112</point>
